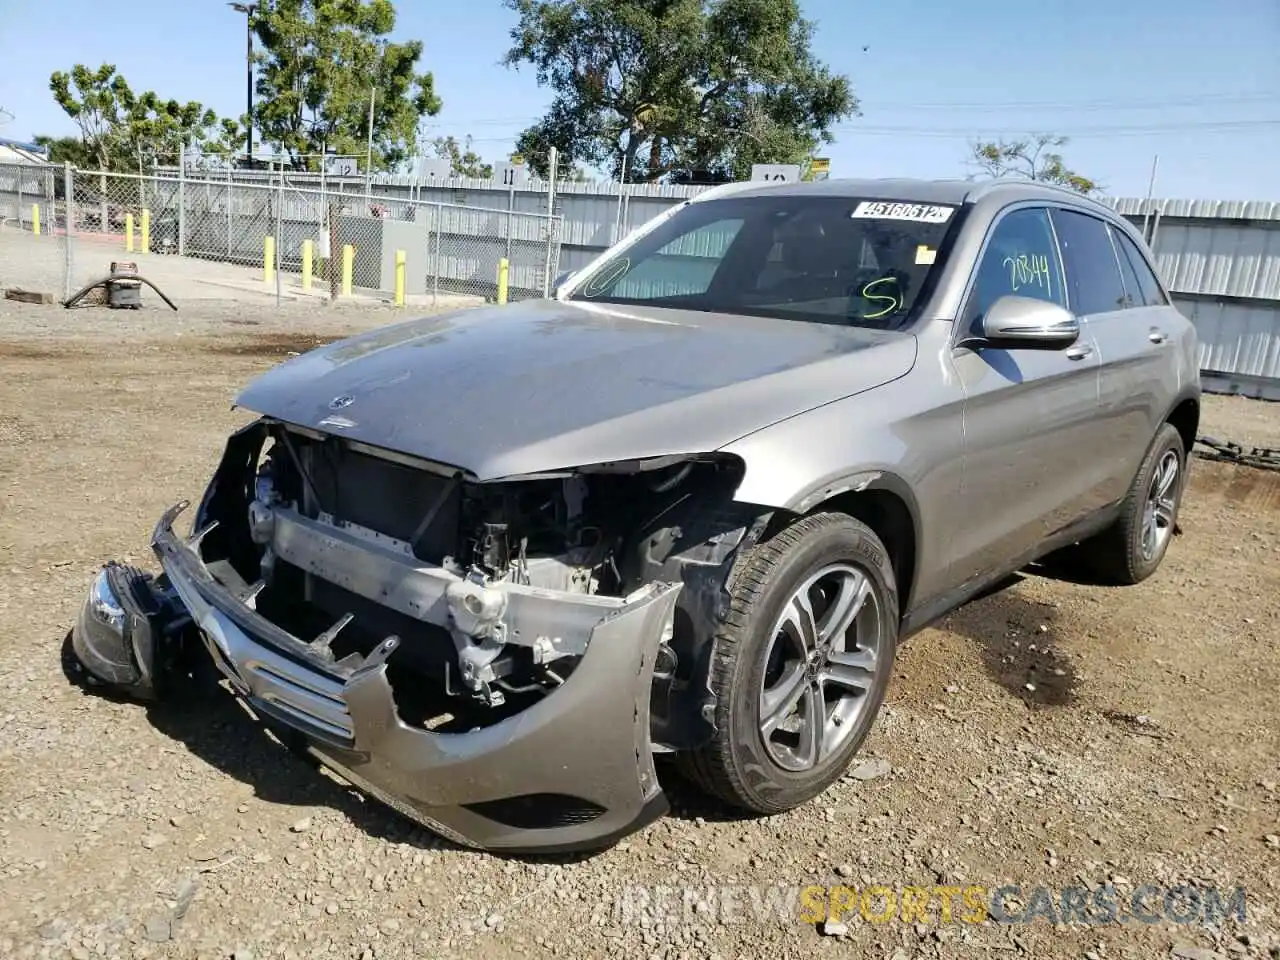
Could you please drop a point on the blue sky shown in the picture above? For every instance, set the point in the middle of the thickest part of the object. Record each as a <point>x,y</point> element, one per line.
<point>1126,79</point>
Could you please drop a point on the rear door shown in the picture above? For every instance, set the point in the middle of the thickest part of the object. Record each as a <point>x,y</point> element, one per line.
<point>1030,416</point>
<point>1131,323</point>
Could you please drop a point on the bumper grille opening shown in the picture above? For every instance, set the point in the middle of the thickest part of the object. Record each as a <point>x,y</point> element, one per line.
<point>538,811</point>
<point>418,669</point>
<point>381,495</point>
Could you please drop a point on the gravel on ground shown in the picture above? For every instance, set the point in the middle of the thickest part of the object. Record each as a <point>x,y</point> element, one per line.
<point>1052,735</point>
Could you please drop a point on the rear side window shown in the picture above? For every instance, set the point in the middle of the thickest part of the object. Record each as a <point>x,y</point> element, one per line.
<point>1093,273</point>
<point>1151,293</point>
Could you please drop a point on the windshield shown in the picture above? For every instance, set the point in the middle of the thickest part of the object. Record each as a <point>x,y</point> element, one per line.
<point>819,259</point>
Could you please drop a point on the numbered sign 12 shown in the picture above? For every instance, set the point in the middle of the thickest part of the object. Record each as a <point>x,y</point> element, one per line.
<point>342,166</point>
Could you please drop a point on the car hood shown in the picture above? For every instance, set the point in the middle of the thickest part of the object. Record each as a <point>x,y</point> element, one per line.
<point>545,385</point>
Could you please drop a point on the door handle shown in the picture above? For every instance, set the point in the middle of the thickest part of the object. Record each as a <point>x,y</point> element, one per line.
<point>1080,352</point>
<point>1157,336</point>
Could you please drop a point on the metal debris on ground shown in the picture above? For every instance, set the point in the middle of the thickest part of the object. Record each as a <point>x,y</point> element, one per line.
<point>123,288</point>
<point>1264,458</point>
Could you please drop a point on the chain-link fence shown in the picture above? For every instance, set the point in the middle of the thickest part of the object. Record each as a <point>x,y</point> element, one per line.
<point>68,225</point>
<point>35,248</point>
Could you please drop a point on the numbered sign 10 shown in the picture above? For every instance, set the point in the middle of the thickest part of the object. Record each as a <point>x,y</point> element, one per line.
<point>775,172</point>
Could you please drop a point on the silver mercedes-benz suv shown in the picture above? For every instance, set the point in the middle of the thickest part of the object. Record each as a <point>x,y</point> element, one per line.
<point>486,565</point>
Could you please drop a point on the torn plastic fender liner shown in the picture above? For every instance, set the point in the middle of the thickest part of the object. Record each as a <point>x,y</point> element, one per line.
<point>588,739</point>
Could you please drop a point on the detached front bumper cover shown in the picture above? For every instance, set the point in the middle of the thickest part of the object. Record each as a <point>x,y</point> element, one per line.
<point>573,771</point>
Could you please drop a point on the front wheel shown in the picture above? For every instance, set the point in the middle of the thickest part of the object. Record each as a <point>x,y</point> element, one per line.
<point>800,665</point>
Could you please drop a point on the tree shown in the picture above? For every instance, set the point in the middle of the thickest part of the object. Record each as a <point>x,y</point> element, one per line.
<point>321,63</point>
<point>158,130</point>
<point>1030,158</point>
<point>655,87</point>
<point>120,128</point>
<point>70,150</point>
<point>96,104</point>
<point>463,161</point>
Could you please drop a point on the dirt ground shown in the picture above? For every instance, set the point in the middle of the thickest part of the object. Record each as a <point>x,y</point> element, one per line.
<point>1052,735</point>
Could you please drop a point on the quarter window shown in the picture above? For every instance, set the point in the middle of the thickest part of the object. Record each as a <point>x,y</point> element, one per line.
<point>1093,273</point>
<point>1132,289</point>
<point>1152,294</point>
<point>1020,259</point>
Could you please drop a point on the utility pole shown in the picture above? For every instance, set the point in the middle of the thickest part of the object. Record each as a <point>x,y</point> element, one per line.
<point>248,9</point>
<point>373,95</point>
<point>1151,189</point>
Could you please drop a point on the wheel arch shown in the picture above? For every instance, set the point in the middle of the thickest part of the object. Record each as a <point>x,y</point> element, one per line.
<point>886,503</point>
<point>1184,415</point>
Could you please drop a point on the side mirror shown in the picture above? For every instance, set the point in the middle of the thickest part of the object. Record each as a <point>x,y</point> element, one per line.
<point>1024,323</point>
<point>561,281</point>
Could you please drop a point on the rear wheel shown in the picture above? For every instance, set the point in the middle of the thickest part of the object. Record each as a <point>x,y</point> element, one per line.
<point>800,665</point>
<point>1132,548</point>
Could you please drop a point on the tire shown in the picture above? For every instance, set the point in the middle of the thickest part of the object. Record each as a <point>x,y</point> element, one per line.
<point>1118,554</point>
<point>764,773</point>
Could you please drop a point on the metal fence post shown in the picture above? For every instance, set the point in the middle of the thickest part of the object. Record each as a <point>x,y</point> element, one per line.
<point>332,253</point>
<point>279,232</point>
<point>182,199</point>
<point>68,188</point>
<point>435,259</point>
<point>228,213</point>
<point>553,159</point>
<point>511,206</point>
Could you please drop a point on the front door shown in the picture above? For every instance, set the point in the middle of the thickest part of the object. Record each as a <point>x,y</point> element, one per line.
<point>1030,416</point>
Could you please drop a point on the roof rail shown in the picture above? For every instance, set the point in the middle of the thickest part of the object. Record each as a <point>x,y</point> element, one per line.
<point>737,186</point>
<point>982,188</point>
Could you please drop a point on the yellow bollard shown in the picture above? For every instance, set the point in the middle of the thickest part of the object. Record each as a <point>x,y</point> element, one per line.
<point>146,230</point>
<point>35,218</point>
<point>268,259</point>
<point>399,278</point>
<point>348,268</point>
<point>128,233</point>
<point>306,264</point>
<point>504,270</point>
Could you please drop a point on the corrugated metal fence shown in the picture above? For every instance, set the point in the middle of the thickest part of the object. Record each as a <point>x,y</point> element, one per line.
<point>1221,262</point>
<point>1220,259</point>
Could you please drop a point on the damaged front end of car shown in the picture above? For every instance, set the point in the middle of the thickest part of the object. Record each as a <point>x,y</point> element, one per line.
<point>497,660</point>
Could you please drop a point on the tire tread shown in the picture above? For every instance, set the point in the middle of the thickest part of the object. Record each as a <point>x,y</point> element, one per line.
<point>1111,553</point>
<point>710,767</point>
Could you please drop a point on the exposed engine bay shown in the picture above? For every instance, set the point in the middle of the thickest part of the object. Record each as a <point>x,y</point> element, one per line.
<point>491,589</point>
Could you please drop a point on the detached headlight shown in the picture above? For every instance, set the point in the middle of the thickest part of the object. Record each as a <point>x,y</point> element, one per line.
<point>119,626</point>
<point>103,605</point>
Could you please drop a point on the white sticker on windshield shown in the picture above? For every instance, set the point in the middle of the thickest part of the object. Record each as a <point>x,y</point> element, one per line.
<point>888,210</point>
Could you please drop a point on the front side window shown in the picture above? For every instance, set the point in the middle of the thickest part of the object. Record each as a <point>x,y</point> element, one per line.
<point>809,258</point>
<point>1020,260</point>
<point>1093,273</point>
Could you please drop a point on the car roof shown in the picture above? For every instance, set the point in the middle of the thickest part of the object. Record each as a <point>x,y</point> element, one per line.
<point>920,191</point>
